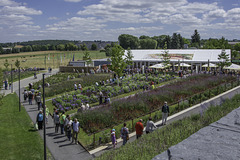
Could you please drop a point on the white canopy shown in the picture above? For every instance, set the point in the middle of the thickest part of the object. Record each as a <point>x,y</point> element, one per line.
<point>160,66</point>
<point>233,66</point>
<point>183,65</point>
<point>211,65</point>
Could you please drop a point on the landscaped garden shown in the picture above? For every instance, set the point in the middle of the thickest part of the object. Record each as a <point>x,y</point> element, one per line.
<point>111,88</point>
<point>150,145</point>
<point>180,95</point>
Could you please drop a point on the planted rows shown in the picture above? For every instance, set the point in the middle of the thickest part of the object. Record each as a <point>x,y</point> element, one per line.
<point>143,103</point>
<point>90,94</point>
<point>150,145</point>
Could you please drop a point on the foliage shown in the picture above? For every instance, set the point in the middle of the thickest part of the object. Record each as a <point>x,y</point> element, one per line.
<point>6,64</point>
<point>166,56</point>
<point>223,59</point>
<point>150,145</point>
<point>148,43</point>
<point>126,40</point>
<point>216,44</point>
<point>94,46</point>
<point>195,39</point>
<point>129,57</point>
<point>140,104</point>
<point>17,63</point>
<point>237,46</point>
<point>117,61</point>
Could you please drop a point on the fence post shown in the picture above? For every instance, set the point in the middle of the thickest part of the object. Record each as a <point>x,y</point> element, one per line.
<point>132,125</point>
<point>94,139</point>
<point>178,106</point>
<point>200,97</point>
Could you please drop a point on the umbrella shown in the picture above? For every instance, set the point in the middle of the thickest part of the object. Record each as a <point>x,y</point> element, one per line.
<point>211,65</point>
<point>233,67</point>
<point>183,65</point>
<point>160,66</point>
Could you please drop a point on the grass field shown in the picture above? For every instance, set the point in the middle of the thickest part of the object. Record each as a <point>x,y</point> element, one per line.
<point>18,139</point>
<point>56,58</point>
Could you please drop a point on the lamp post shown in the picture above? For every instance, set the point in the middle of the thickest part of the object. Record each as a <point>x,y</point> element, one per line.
<point>12,81</point>
<point>19,89</point>
<point>44,117</point>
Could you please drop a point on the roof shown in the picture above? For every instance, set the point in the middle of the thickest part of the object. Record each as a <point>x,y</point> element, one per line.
<point>188,55</point>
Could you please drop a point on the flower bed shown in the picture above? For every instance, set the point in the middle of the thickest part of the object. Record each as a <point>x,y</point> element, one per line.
<point>89,94</point>
<point>141,104</point>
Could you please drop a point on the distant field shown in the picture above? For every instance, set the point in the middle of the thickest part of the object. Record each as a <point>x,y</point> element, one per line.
<point>56,58</point>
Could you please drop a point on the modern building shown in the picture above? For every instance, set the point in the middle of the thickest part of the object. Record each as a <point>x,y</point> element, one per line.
<point>195,57</point>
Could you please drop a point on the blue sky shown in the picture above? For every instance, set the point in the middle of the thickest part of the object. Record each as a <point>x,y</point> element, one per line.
<point>24,20</point>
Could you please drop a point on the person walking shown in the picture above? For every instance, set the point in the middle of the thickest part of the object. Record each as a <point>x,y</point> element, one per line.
<point>56,122</point>
<point>100,97</point>
<point>165,112</point>
<point>125,133</point>
<point>47,113</point>
<point>30,97</point>
<point>76,130</point>
<point>25,95</point>
<point>38,100</point>
<point>113,137</point>
<point>75,86</point>
<point>62,119</point>
<point>139,128</point>
<point>150,126</point>
<point>69,128</point>
<point>40,120</point>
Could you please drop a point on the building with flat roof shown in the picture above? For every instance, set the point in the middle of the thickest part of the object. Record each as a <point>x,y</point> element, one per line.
<point>194,57</point>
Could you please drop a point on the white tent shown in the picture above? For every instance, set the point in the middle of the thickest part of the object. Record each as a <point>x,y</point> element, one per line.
<point>211,65</point>
<point>160,66</point>
<point>183,65</point>
<point>233,67</point>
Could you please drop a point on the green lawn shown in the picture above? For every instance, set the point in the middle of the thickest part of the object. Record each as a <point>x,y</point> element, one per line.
<point>18,139</point>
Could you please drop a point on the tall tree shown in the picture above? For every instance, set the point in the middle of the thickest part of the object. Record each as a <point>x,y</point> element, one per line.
<point>148,43</point>
<point>1,50</point>
<point>168,41</point>
<point>117,61</point>
<point>175,44</point>
<point>237,47</point>
<point>17,63</point>
<point>126,40</point>
<point>84,47</point>
<point>166,56</point>
<point>94,47</point>
<point>144,37</point>
<point>196,39</point>
<point>181,41</point>
<point>223,59</point>
<point>129,57</point>
<point>6,64</point>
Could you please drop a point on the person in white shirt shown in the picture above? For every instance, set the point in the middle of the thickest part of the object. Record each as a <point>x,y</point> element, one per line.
<point>150,126</point>
<point>76,130</point>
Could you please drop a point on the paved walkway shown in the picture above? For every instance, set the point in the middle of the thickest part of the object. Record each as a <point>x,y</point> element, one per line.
<point>58,144</point>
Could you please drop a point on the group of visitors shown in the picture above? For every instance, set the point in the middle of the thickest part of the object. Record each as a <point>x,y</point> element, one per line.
<point>71,128</point>
<point>150,126</point>
<point>7,85</point>
<point>39,118</point>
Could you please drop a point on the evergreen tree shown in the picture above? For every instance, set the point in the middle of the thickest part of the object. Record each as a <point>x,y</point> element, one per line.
<point>196,39</point>
<point>175,44</point>
<point>223,59</point>
<point>166,56</point>
<point>129,57</point>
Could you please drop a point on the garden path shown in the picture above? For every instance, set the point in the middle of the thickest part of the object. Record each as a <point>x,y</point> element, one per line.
<point>59,146</point>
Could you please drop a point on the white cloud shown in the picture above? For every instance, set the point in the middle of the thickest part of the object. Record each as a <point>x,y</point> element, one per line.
<point>53,18</point>
<point>73,1</point>
<point>8,3</point>
<point>23,10</point>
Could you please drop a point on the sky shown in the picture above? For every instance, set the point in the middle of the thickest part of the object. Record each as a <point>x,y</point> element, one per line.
<point>26,20</point>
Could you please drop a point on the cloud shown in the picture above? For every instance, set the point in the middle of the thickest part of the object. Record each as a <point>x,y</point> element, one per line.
<point>75,1</point>
<point>22,10</point>
<point>8,3</point>
<point>53,18</point>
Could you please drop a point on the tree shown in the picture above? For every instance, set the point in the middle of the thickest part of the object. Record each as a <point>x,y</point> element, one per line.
<point>17,63</point>
<point>166,56</point>
<point>223,59</point>
<point>1,50</point>
<point>181,41</point>
<point>117,61</point>
<point>6,64</point>
<point>195,39</point>
<point>144,37</point>
<point>94,46</point>
<point>87,58</point>
<point>108,50</point>
<point>148,43</point>
<point>129,57</point>
<point>61,47</point>
<point>175,43</point>
<point>237,46</point>
<point>126,40</point>
<point>84,47</point>
<point>168,41</point>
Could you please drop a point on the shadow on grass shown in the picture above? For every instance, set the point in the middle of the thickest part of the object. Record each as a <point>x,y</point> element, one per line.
<point>32,130</point>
